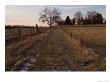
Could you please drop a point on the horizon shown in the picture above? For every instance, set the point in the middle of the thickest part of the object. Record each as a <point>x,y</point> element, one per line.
<point>28,15</point>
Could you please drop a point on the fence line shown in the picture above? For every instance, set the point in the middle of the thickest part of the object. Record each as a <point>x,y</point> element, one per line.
<point>11,33</point>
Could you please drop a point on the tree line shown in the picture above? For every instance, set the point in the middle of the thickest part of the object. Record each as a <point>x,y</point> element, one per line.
<point>91,18</point>
<point>53,16</point>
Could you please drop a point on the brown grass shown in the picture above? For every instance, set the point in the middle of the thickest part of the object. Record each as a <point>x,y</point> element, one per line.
<point>88,34</point>
<point>93,46</point>
<point>75,49</point>
<point>14,51</point>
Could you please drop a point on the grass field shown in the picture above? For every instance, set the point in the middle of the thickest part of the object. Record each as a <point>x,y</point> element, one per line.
<point>90,37</point>
<point>95,34</point>
<point>65,49</point>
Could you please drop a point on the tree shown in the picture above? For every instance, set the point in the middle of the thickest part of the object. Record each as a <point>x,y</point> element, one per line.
<point>104,21</point>
<point>99,18</point>
<point>94,18</point>
<point>81,20</point>
<point>73,21</point>
<point>78,17</point>
<point>91,17</point>
<point>68,21</point>
<point>60,22</point>
<point>50,15</point>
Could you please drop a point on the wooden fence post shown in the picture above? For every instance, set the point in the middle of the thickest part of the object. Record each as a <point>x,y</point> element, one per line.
<point>19,32</point>
<point>71,34</point>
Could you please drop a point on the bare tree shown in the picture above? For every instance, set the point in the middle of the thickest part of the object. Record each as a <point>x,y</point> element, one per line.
<point>50,15</point>
<point>73,21</point>
<point>94,17</point>
<point>78,17</point>
<point>60,22</point>
<point>91,16</point>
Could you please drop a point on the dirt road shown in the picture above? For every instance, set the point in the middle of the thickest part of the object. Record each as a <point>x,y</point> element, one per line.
<point>53,51</point>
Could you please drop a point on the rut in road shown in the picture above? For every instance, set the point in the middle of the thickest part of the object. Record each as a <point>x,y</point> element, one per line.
<point>53,51</point>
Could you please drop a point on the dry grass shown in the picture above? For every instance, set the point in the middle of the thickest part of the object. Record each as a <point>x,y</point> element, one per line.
<point>73,49</point>
<point>88,34</point>
<point>92,41</point>
<point>14,51</point>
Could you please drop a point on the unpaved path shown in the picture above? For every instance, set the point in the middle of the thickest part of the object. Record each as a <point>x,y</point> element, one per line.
<point>53,51</point>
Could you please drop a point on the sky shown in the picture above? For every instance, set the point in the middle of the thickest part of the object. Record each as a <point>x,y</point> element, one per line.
<point>29,14</point>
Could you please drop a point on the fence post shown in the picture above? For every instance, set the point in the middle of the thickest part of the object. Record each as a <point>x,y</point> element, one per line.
<point>19,32</point>
<point>37,28</point>
<point>71,34</point>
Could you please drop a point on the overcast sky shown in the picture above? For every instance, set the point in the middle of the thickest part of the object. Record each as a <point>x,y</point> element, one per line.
<point>29,14</point>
